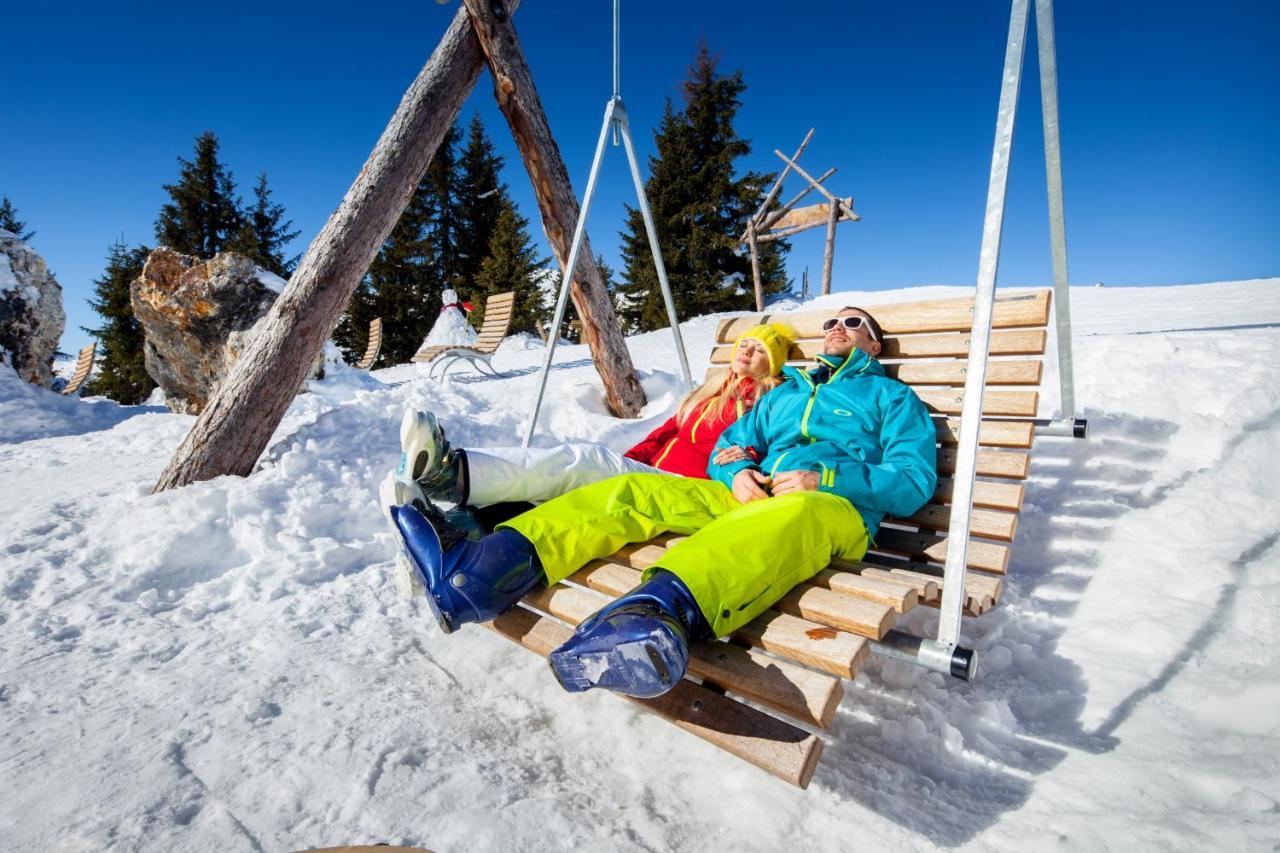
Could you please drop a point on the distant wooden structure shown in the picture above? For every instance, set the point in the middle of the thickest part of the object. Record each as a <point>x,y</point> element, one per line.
<point>497,322</point>
<point>84,366</point>
<point>768,225</point>
<point>375,345</point>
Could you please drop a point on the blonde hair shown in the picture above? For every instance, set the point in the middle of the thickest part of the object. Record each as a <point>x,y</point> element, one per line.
<point>728,391</point>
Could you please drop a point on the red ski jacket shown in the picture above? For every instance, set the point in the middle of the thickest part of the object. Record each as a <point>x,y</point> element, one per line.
<point>685,449</point>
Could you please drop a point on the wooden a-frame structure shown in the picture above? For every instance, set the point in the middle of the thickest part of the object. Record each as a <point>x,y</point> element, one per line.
<point>249,403</point>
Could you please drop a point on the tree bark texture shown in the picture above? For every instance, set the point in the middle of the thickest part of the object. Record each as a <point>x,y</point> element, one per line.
<point>519,101</point>
<point>239,420</point>
<point>829,251</point>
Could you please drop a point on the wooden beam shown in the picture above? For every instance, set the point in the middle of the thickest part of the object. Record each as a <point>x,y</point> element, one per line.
<point>518,99</point>
<point>755,266</point>
<point>847,208</point>
<point>782,176</point>
<point>245,409</point>
<point>829,250</point>
<point>767,221</point>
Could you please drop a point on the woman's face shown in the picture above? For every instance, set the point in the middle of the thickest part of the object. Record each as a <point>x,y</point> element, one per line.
<point>751,359</point>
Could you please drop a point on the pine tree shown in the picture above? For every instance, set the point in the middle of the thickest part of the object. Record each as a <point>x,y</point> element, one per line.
<point>699,209</point>
<point>121,373</point>
<point>10,222</point>
<point>262,235</point>
<point>480,196</point>
<point>204,215</point>
<point>512,264</point>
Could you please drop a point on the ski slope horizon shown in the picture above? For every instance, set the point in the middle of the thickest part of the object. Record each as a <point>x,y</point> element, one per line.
<point>227,666</point>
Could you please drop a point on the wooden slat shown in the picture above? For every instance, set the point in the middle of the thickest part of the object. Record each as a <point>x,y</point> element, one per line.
<point>991,463</point>
<point>901,597</point>
<point>777,747</point>
<point>987,556</point>
<point>819,646</point>
<point>850,613</point>
<point>936,315</point>
<point>375,345</point>
<point>990,524</point>
<point>951,402</point>
<point>980,582</point>
<point>990,433</point>
<point>988,495</point>
<point>84,365</point>
<point>792,690</point>
<point>947,345</point>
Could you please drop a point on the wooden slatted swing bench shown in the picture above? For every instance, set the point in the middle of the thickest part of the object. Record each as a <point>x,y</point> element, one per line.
<point>84,366</point>
<point>375,345</point>
<point>497,322</point>
<point>766,693</point>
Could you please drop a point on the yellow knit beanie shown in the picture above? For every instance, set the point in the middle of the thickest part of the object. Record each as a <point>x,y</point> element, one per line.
<point>777,339</point>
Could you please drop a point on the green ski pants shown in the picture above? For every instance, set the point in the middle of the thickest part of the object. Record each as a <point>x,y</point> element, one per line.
<point>739,558</point>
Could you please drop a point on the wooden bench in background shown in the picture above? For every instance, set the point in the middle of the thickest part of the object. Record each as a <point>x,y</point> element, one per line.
<point>84,366</point>
<point>497,321</point>
<point>767,693</point>
<point>375,345</point>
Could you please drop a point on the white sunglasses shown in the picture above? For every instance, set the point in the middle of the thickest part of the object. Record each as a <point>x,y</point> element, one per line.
<point>849,323</point>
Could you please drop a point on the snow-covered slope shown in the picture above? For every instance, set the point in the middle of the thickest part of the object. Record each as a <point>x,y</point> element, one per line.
<point>227,667</point>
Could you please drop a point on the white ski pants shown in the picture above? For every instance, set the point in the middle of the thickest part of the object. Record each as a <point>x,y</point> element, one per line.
<point>536,474</point>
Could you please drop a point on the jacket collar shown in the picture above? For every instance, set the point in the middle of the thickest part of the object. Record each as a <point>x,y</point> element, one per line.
<point>832,370</point>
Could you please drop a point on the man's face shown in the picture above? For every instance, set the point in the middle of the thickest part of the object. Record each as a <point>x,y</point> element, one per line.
<point>840,341</point>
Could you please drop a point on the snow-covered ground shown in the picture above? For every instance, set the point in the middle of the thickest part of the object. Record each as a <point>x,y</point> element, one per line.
<point>227,666</point>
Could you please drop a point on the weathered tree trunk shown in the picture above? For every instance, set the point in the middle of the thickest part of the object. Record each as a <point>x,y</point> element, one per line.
<point>755,265</point>
<point>518,99</point>
<point>239,420</point>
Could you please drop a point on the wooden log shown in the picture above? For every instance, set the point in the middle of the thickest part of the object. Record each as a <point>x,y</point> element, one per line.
<point>777,747</point>
<point>847,208</point>
<point>829,248</point>
<point>243,413</point>
<point>777,684</point>
<point>755,266</point>
<point>768,220</point>
<point>814,214</point>
<point>1025,309</point>
<point>782,176</point>
<point>518,99</point>
<point>774,236</point>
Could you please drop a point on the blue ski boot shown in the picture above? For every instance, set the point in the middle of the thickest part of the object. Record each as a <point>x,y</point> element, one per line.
<point>637,645</point>
<point>466,580</point>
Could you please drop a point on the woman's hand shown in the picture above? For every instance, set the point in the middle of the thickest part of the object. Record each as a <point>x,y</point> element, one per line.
<point>749,485</point>
<point>729,454</point>
<point>795,481</point>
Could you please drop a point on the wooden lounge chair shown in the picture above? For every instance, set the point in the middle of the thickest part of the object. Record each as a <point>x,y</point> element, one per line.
<point>790,662</point>
<point>84,365</point>
<point>375,345</point>
<point>497,321</point>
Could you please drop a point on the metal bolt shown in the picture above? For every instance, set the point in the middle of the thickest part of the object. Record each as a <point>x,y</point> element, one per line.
<point>697,704</point>
<point>458,580</point>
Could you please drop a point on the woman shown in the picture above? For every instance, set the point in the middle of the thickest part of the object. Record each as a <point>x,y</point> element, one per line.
<point>681,445</point>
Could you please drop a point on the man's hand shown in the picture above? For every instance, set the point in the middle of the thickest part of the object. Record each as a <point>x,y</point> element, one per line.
<point>732,453</point>
<point>749,485</point>
<point>792,481</point>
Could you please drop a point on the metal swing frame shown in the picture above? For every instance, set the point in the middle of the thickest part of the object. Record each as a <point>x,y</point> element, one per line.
<point>944,653</point>
<point>615,119</point>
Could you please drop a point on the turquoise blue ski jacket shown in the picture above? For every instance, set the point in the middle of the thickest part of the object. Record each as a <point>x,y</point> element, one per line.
<point>868,436</point>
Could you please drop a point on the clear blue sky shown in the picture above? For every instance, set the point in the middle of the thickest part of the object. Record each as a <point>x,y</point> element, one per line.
<point>1170,128</point>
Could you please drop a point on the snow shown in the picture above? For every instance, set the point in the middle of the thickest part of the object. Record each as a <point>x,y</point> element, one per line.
<point>270,280</point>
<point>227,666</point>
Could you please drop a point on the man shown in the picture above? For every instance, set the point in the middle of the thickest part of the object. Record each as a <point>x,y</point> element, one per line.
<point>839,447</point>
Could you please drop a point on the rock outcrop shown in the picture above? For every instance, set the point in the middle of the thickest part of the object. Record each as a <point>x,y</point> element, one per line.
<point>31,315</point>
<point>198,317</point>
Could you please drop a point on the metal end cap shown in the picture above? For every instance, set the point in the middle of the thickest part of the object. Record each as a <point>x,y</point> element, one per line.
<point>1079,427</point>
<point>964,664</point>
